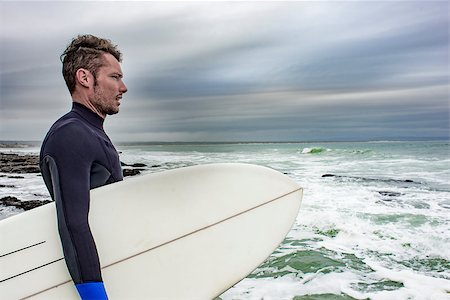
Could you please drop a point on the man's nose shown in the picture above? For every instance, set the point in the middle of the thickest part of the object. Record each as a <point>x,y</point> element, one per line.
<point>123,88</point>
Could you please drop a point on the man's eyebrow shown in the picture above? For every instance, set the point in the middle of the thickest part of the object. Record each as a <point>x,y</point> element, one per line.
<point>117,73</point>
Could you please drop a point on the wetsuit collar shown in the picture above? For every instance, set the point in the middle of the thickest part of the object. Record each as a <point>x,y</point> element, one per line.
<point>88,115</point>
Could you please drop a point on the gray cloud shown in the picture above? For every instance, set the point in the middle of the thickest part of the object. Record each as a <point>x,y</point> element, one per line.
<point>238,70</point>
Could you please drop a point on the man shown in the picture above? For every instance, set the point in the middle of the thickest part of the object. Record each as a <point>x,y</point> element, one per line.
<point>77,155</point>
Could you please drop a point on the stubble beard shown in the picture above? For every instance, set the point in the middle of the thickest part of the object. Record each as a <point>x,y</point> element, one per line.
<point>102,104</point>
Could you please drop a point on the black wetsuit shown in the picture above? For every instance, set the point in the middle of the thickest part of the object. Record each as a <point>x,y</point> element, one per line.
<point>77,156</point>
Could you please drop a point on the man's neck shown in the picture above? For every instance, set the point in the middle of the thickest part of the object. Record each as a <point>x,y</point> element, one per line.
<point>85,101</point>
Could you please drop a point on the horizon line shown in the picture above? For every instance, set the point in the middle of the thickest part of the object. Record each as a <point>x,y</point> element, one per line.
<point>398,139</point>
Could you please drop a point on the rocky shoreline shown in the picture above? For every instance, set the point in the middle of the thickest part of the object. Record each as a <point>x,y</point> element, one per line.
<point>25,205</point>
<point>13,165</point>
<point>19,164</point>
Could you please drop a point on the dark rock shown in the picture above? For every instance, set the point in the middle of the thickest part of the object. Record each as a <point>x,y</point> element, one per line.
<point>156,166</point>
<point>372,179</point>
<point>9,201</point>
<point>18,160</point>
<point>39,195</point>
<point>138,165</point>
<point>389,194</point>
<point>15,163</point>
<point>6,186</point>
<point>27,169</point>
<point>385,200</point>
<point>130,172</point>
<point>135,165</point>
<point>25,205</point>
<point>16,177</point>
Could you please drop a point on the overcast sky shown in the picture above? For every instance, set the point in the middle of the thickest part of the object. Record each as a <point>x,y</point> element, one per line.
<point>238,71</point>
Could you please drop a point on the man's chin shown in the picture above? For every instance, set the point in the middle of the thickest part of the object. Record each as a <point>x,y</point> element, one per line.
<point>113,109</point>
<point>113,112</point>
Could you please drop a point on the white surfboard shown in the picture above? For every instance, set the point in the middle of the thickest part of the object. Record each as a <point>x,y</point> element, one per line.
<point>189,233</point>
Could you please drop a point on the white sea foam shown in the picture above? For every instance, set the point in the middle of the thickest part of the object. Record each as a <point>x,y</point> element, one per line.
<point>287,287</point>
<point>415,284</point>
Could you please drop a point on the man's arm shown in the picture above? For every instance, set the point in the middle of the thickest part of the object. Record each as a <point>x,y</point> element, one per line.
<point>66,166</point>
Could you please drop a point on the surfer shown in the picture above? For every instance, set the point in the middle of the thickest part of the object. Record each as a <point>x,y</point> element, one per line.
<point>77,155</point>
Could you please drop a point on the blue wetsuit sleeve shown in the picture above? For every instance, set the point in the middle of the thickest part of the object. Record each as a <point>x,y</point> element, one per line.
<point>68,159</point>
<point>92,291</point>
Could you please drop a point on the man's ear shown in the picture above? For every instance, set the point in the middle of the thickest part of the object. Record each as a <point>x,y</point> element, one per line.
<point>84,77</point>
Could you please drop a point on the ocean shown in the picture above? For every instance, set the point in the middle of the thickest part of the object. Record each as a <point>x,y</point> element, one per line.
<point>374,221</point>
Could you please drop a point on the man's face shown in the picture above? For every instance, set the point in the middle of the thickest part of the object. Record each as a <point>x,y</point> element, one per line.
<point>109,86</point>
